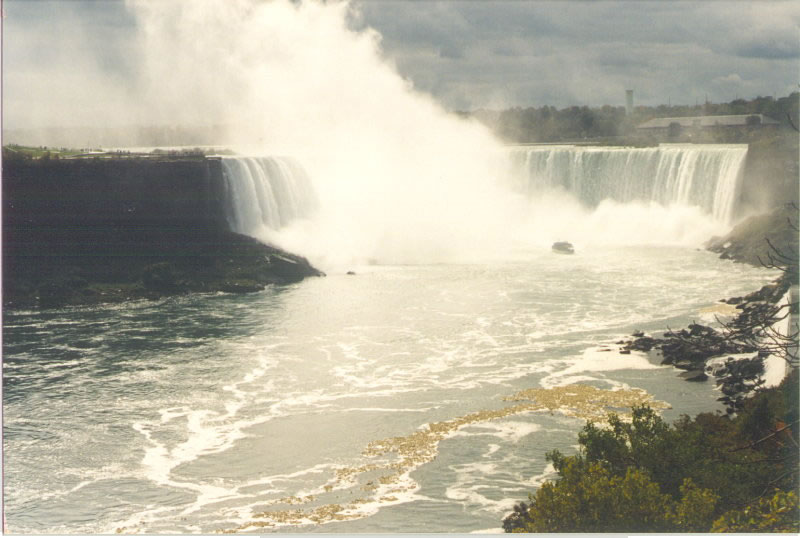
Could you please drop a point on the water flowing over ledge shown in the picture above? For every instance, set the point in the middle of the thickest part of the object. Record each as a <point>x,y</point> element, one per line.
<point>708,176</point>
<point>265,192</point>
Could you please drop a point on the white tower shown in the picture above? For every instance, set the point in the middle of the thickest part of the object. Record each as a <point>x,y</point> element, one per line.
<point>628,102</point>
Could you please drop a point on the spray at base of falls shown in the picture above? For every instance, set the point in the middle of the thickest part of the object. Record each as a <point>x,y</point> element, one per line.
<point>707,176</point>
<point>592,196</point>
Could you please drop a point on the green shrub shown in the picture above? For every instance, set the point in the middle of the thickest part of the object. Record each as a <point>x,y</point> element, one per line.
<point>779,513</point>
<point>648,476</point>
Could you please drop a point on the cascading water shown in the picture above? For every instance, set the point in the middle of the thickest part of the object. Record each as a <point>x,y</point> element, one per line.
<point>707,176</point>
<point>671,194</point>
<point>266,193</point>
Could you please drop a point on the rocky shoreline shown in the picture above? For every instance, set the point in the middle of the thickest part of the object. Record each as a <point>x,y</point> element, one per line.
<point>768,240</point>
<point>112,268</point>
<point>702,352</point>
<point>94,230</point>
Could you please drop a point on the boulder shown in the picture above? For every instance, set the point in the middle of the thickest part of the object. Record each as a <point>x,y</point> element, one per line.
<point>241,286</point>
<point>693,375</point>
<point>685,364</point>
<point>160,277</point>
<point>291,268</point>
<point>747,241</point>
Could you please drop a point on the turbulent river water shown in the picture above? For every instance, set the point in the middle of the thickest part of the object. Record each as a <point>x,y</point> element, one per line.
<point>304,408</point>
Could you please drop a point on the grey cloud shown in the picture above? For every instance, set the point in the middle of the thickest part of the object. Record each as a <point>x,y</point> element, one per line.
<point>770,49</point>
<point>565,53</point>
<point>470,54</point>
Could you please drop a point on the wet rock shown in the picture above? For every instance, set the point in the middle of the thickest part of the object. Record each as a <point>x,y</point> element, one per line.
<point>160,277</point>
<point>746,242</point>
<point>291,268</point>
<point>643,343</point>
<point>684,364</point>
<point>694,375</point>
<point>718,370</point>
<point>241,286</point>
<point>700,330</point>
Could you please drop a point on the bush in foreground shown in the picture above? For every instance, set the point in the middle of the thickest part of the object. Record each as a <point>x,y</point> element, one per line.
<point>710,473</point>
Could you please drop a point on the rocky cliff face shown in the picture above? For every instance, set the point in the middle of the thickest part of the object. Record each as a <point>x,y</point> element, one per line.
<point>766,239</point>
<point>79,231</point>
<point>135,192</point>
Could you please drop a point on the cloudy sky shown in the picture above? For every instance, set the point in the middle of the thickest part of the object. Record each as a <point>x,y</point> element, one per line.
<point>473,54</point>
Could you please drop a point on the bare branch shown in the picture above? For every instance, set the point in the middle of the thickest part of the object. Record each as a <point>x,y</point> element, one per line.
<point>789,117</point>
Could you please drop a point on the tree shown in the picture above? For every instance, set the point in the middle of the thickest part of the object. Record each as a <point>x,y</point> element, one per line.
<point>592,499</point>
<point>779,513</point>
<point>648,476</point>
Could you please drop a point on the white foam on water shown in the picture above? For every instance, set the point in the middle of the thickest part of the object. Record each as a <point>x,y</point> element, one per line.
<point>594,359</point>
<point>509,431</point>
<point>208,432</point>
<point>475,355</point>
<point>389,409</point>
<point>537,480</point>
<point>471,480</point>
<point>492,448</point>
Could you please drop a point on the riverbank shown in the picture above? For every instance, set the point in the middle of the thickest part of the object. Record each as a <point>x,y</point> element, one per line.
<point>762,240</point>
<point>708,473</point>
<point>755,345</point>
<point>84,267</point>
<point>83,231</point>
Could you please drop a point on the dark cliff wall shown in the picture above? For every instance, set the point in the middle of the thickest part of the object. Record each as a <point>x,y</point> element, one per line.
<point>136,192</point>
<point>84,231</point>
<point>98,207</point>
<point>771,174</point>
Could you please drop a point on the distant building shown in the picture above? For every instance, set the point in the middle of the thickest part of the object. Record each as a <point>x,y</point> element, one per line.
<point>676,125</point>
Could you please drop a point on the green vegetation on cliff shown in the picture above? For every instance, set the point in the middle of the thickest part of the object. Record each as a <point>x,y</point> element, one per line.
<point>710,473</point>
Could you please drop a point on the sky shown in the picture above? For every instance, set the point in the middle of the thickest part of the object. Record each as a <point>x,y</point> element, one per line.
<point>525,53</point>
<point>466,54</point>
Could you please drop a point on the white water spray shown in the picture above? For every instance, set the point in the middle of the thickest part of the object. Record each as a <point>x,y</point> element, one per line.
<point>264,195</point>
<point>398,179</point>
<point>707,176</point>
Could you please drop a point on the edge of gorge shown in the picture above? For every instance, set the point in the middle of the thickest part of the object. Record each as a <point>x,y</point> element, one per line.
<point>107,230</point>
<point>98,266</point>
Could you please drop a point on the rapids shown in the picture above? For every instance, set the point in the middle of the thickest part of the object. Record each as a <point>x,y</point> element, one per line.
<point>269,410</point>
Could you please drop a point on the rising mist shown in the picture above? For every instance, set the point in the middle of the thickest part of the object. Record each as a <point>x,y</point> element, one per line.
<point>398,178</point>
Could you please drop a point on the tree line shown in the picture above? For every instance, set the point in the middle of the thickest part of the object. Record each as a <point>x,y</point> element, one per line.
<point>549,124</point>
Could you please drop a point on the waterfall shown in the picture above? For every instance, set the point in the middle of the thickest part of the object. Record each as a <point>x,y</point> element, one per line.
<point>265,193</point>
<point>703,175</point>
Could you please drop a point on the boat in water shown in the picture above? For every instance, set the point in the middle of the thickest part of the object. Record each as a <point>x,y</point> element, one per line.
<point>563,247</point>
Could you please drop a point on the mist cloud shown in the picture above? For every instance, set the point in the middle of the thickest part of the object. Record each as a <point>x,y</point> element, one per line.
<point>399,179</point>
<point>465,54</point>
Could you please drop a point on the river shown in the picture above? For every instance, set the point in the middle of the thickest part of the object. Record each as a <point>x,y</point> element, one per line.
<point>304,408</point>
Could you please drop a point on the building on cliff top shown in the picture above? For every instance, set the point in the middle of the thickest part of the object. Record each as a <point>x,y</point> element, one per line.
<point>705,122</point>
